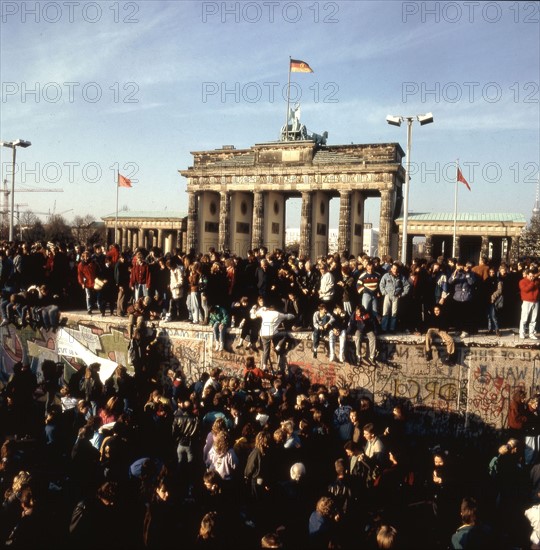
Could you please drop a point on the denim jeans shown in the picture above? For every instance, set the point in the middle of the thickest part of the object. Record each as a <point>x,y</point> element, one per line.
<point>184,454</point>
<point>90,298</point>
<point>390,309</point>
<point>317,337</point>
<point>369,301</point>
<point>493,324</point>
<point>139,291</point>
<point>194,307</point>
<point>219,333</point>
<point>50,317</point>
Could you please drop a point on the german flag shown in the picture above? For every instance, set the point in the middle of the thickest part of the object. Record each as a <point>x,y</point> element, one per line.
<point>298,66</point>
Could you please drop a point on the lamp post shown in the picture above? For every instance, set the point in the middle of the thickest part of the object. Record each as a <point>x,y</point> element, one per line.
<point>13,145</point>
<point>396,121</point>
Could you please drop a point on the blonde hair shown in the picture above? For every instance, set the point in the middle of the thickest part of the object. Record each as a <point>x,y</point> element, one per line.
<point>325,507</point>
<point>207,529</point>
<point>221,443</point>
<point>20,480</point>
<point>386,537</point>
<point>263,441</point>
<point>219,425</point>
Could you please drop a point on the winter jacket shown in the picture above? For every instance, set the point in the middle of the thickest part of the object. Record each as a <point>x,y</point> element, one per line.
<point>462,283</point>
<point>394,287</point>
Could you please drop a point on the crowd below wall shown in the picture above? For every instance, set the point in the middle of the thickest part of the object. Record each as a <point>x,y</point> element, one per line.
<point>184,286</point>
<point>258,460</point>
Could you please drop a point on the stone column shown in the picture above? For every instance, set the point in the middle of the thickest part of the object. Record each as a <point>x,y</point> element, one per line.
<point>410,251</point>
<point>134,239</point>
<point>385,222</point>
<point>513,248</point>
<point>458,239</point>
<point>192,222</point>
<point>125,235</point>
<point>428,247</point>
<point>224,221</point>
<point>344,232</point>
<point>160,243</point>
<point>305,224</point>
<point>257,223</point>
<point>484,247</point>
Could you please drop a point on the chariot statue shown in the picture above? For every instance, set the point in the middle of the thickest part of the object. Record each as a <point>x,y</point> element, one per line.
<point>294,130</point>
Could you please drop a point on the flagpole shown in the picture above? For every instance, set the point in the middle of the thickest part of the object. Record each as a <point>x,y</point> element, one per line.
<point>455,213</point>
<point>288,100</point>
<point>116,218</point>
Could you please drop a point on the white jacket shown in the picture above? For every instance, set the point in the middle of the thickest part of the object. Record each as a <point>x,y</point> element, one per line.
<point>176,281</point>
<point>271,320</point>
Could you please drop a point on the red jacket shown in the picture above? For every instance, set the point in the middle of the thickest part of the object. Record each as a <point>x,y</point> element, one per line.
<point>140,274</point>
<point>87,273</point>
<point>113,254</point>
<point>529,290</point>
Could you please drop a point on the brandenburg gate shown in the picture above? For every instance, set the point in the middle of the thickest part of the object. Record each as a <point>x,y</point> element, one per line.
<point>237,197</point>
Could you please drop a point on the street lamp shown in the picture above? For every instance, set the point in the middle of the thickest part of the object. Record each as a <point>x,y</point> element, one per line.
<point>13,145</point>
<point>396,121</point>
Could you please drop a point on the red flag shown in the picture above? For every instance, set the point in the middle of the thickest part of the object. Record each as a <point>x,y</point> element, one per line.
<point>298,66</point>
<point>123,181</point>
<point>462,179</point>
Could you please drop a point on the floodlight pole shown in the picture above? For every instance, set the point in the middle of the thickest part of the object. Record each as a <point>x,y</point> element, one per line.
<point>12,209</point>
<point>404,234</point>
<point>396,121</point>
<point>13,145</point>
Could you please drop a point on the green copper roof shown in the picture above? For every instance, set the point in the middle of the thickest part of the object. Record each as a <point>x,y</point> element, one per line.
<point>510,217</point>
<point>154,215</point>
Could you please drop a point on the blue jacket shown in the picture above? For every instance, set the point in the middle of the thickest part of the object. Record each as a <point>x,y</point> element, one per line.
<point>394,287</point>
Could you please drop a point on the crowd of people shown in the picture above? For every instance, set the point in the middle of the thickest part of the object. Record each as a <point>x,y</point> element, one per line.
<point>252,460</point>
<point>258,458</point>
<point>353,295</point>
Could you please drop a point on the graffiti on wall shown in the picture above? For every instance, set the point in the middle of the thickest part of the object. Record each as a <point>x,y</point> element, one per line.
<point>474,392</point>
<point>75,345</point>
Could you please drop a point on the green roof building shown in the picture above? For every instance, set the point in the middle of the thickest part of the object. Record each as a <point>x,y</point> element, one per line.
<point>494,235</point>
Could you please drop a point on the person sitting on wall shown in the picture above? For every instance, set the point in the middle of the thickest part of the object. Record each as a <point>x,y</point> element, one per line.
<point>15,310</point>
<point>47,312</point>
<point>362,323</point>
<point>248,327</point>
<point>219,319</point>
<point>322,325</point>
<point>438,326</point>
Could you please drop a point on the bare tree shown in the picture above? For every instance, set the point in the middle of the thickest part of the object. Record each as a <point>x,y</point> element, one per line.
<point>30,227</point>
<point>57,229</point>
<point>81,228</point>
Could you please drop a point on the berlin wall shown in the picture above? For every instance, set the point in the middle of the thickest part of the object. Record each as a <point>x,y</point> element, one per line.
<point>467,399</point>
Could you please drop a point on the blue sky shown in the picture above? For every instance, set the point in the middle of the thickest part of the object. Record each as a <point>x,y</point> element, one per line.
<point>138,85</point>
